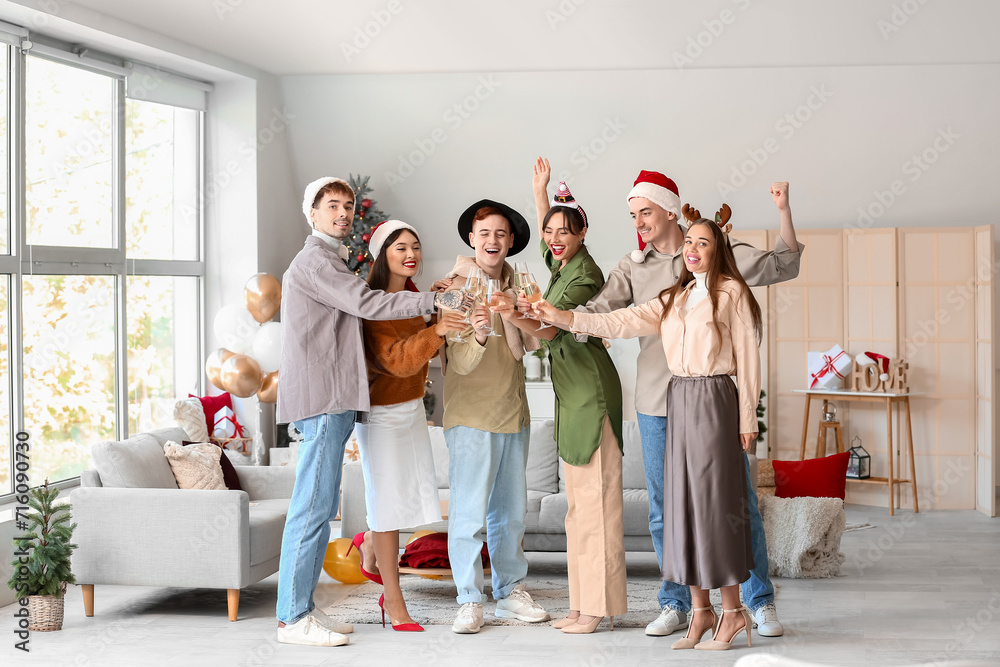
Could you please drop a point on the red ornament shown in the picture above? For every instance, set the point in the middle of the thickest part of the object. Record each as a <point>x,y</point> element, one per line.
<point>366,203</point>
<point>360,258</point>
<point>366,237</point>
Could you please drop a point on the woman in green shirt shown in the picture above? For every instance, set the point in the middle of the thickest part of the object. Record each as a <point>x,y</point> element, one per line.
<point>588,417</point>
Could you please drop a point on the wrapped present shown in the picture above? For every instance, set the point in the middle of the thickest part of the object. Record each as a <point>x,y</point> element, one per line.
<point>827,370</point>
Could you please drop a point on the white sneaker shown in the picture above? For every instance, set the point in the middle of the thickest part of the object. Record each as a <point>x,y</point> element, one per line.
<point>469,619</point>
<point>668,621</point>
<point>310,632</point>
<point>519,605</point>
<point>332,624</point>
<point>766,620</point>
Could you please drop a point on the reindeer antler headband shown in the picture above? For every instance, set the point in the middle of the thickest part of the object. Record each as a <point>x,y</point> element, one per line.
<point>692,215</point>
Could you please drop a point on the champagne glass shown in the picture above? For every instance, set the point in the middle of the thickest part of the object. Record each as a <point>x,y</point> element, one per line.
<point>534,295</point>
<point>493,288</point>
<point>521,278</point>
<point>472,282</point>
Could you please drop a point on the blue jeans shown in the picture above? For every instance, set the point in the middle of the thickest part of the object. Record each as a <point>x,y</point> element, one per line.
<point>488,491</point>
<point>757,590</point>
<point>314,504</point>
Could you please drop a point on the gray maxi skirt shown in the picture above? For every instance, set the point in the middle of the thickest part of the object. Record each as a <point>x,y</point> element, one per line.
<point>706,514</point>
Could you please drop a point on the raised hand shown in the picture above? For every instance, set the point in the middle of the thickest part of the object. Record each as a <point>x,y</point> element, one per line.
<point>549,313</point>
<point>459,300</point>
<point>480,318</point>
<point>505,306</point>
<point>442,284</point>
<point>779,191</point>
<point>449,322</point>
<point>540,175</point>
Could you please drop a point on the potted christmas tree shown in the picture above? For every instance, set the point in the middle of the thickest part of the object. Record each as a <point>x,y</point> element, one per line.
<point>47,548</point>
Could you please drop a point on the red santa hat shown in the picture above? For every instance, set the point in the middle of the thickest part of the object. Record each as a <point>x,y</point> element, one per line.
<point>563,197</point>
<point>660,190</point>
<point>877,359</point>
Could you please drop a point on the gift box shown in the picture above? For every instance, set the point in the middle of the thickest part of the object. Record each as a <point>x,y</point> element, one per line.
<point>827,370</point>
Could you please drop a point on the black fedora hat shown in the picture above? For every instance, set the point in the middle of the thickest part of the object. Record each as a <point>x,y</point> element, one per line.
<point>518,225</point>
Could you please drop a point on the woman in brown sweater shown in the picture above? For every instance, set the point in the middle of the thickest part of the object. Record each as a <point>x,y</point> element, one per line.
<point>395,446</point>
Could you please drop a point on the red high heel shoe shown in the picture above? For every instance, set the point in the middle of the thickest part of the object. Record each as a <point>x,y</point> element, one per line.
<point>402,627</point>
<point>356,543</point>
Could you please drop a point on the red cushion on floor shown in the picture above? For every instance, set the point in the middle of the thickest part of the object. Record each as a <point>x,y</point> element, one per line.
<point>816,478</point>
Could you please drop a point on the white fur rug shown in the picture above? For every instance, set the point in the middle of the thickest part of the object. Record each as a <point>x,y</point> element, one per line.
<point>803,536</point>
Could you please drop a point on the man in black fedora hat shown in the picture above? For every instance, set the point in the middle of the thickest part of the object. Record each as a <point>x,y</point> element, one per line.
<point>486,426</point>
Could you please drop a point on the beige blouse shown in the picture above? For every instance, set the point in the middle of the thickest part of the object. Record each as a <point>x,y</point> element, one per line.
<point>691,343</point>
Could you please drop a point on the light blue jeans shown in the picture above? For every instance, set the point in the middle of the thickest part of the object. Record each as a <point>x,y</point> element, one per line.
<point>314,504</point>
<point>757,590</point>
<point>486,475</point>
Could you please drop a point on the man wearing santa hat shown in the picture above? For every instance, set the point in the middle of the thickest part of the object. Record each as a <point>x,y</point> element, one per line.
<point>324,385</point>
<point>639,277</point>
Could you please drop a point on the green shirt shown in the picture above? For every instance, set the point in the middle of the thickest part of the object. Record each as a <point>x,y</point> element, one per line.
<point>584,378</point>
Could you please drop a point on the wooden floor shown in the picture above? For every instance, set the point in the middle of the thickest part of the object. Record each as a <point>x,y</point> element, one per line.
<point>916,588</point>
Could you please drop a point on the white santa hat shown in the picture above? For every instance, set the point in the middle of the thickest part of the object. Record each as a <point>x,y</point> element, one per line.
<point>313,189</point>
<point>382,231</point>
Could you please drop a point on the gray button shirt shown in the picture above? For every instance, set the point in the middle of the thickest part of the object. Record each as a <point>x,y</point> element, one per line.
<point>636,282</point>
<point>323,366</point>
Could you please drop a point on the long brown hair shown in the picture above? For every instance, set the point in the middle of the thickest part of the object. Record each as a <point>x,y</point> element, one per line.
<point>722,266</point>
<point>379,274</point>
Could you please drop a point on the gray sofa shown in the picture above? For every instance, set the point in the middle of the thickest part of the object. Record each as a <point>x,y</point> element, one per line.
<point>545,528</point>
<point>136,528</point>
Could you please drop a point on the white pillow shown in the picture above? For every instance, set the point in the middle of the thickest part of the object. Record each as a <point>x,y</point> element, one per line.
<point>190,416</point>
<point>195,466</point>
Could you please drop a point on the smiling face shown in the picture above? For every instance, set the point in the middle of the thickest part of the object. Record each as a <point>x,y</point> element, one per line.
<point>699,248</point>
<point>492,240</point>
<point>333,215</point>
<point>653,222</point>
<point>559,236</point>
<point>403,255</point>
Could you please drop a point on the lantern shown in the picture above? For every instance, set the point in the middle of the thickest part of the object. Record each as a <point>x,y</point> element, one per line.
<point>860,462</point>
<point>829,412</point>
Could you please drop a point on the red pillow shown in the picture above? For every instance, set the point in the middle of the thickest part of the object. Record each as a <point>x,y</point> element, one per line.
<point>211,405</point>
<point>817,478</point>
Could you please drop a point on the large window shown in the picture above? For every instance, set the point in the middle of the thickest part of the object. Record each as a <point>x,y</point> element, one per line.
<point>101,264</point>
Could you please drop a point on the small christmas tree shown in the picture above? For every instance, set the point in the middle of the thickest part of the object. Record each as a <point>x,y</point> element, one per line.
<point>47,544</point>
<point>367,214</point>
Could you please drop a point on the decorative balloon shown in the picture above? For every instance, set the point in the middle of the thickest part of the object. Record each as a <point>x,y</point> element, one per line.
<point>235,328</point>
<point>241,376</point>
<point>266,347</point>
<point>262,296</point>
<point>213,365</point>
<point>268,392</point>
<point>343,567</point>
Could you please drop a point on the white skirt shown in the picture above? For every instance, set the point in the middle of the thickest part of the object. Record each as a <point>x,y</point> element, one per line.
<point>400,484</point>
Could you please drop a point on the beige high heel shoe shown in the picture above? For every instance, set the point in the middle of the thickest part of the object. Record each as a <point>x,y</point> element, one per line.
<point>714,644</point>
<point>587,628</point>
<point>564,622</point>
<point>688,641</point>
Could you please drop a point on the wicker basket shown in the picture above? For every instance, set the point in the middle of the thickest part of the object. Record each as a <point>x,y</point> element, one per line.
<point>45,612</point>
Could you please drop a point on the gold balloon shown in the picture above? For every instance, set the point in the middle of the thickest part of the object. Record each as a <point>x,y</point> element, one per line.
<point>268,392</point>
<point>343,566</point>
<point>262,296</point>
<point>213,366</point>
<point>241,376</point>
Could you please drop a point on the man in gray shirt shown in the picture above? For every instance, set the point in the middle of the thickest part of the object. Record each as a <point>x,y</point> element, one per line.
<point>324,382</point>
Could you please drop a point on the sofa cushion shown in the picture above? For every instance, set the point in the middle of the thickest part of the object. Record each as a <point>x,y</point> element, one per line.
<point>136,463</point>
<point>190,416</point>
<point>267,523</point>
<point>195,466</point>
<point>633,470</point>
<point>825,477</point>
<point>175,433</point>
<point>543,458</point>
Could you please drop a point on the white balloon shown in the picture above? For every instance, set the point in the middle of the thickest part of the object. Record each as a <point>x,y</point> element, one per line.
<point>266,349</point>
<point>235,328</point>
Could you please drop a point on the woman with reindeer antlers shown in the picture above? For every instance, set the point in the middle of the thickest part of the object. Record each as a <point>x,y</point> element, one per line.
<point>709,325</point>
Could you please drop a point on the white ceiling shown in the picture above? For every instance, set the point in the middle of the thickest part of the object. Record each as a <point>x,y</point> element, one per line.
<point>308,36</point>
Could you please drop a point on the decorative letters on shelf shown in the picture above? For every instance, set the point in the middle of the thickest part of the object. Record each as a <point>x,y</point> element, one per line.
<point>866,378</point>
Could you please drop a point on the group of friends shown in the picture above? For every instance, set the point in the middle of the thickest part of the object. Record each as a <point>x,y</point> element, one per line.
<point>359,352</point>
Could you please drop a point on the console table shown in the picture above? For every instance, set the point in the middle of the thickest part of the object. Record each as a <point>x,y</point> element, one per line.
<point>872,397</point>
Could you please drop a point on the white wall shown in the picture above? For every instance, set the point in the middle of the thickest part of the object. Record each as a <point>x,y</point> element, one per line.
<point>855,135</point>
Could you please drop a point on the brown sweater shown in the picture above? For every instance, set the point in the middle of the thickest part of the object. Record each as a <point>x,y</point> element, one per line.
<point>398,352</point>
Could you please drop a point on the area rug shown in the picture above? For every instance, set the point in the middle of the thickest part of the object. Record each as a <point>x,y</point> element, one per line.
<point>851,527</point>
<point>433,602</point>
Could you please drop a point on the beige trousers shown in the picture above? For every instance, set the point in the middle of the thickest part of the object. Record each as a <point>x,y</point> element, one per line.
<point>595,532</point>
